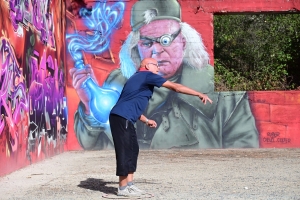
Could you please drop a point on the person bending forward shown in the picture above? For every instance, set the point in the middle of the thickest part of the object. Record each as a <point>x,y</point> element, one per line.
<point>132,102</point>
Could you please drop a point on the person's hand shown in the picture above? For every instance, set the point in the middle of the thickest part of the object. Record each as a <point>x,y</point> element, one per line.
<point>151,123</point>
<point>204,98</point>
<point>79,78</point>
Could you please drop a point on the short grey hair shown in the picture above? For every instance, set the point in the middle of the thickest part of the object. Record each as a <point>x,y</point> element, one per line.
<point>195,54</point>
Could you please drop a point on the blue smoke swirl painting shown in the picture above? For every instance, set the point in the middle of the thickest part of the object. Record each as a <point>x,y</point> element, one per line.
<point>100,22</point>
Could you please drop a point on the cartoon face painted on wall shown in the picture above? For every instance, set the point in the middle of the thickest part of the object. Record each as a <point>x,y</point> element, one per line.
<point>163,41</point>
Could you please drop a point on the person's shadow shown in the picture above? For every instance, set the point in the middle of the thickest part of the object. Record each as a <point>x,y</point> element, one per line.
<point>98,185</point>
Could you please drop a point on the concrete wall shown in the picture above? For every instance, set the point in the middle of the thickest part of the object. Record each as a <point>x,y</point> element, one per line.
<point>39,104</point>
<point>234,120</point>
<point>276,118</point>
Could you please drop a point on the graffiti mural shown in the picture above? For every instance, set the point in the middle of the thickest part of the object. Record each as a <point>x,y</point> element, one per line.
<point>157,31</point>
<point>14,102</point>
<point>100,24</point>
<point>34,13</point>
<point>91,48</point>
<point>33,102</point>
<point>47,103</point>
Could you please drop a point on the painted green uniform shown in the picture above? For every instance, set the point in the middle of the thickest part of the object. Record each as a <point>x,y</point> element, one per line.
<point>183,120</point>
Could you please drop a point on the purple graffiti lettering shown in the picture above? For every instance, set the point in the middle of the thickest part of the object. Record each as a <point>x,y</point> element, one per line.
<point>12,92</point>
<point>47,110</point>
<point>40,18</point>
<point>37,13</point>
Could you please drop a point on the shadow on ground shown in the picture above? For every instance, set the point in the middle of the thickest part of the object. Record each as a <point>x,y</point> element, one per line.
<point>98,185</point>
<point>102,186</point>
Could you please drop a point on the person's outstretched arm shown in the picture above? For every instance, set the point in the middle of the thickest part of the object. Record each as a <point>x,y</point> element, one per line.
<point>186,90</point>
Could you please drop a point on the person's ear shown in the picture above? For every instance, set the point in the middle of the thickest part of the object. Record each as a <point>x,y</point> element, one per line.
<point>147,67</point>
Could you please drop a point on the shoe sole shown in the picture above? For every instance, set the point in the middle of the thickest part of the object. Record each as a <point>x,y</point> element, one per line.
<point>115,196</point>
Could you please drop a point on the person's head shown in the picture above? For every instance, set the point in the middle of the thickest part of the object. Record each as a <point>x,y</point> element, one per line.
<point>159,33</point>
<point>150,64</point>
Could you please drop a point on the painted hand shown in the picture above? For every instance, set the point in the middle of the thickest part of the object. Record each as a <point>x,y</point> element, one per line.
<point>79,78</point>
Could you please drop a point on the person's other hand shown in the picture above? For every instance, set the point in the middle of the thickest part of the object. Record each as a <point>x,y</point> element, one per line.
<point>204,98</point>
<point>79,78</point>
<point>151,123</point>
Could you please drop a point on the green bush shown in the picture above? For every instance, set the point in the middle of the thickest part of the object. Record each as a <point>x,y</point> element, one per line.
<point>257,52</point>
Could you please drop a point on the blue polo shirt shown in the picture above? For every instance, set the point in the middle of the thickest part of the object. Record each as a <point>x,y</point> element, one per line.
<point>136,94</point>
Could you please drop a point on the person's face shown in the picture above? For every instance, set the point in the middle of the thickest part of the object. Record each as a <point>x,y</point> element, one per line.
<point>170,57</point>
<point>153,67</point>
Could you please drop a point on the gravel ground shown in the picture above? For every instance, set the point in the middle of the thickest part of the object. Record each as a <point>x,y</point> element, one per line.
<point>166,174</point>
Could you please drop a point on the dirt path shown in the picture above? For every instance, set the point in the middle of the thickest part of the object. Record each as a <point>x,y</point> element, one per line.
<point>166,174</point>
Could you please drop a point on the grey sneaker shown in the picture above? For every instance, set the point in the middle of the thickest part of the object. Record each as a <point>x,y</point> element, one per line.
<point>127,192</point>
<point>136,189</point>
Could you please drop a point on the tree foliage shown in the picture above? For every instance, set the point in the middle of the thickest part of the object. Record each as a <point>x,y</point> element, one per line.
<point>257,52</point>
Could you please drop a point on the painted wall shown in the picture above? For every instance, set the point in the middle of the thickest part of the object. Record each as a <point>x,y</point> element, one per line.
<point>33,123</point>
<point>46,59</point>
<point>105,45</point>
<point>276,118</point>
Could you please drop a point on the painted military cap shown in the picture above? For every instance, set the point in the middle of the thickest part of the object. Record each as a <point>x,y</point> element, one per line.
<point>145,11</point>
